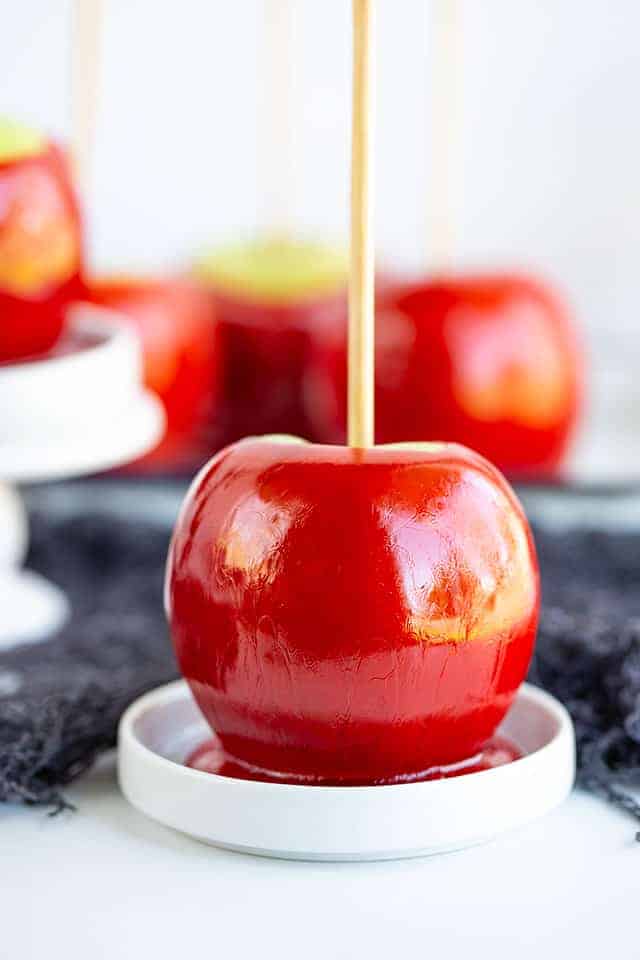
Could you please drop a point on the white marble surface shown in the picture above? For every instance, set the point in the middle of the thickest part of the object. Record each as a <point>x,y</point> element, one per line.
<point>104,882</point>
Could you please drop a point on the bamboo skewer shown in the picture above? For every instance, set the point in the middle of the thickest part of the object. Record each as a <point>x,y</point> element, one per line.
<point>85,70</point>
<point>361,281</point>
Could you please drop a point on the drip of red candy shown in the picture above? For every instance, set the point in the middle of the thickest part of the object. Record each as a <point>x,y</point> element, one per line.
<point>210,757</point>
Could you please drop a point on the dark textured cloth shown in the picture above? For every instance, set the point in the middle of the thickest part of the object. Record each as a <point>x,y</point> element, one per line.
<point>588,652</point>
<point>60,701</point>
<point>63,698</point>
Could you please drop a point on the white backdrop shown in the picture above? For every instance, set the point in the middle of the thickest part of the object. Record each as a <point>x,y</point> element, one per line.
<point>549,136</point>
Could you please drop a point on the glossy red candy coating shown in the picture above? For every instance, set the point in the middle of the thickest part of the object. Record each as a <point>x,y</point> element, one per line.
<point>179,333</point>
<point>210,757</point>
<point>352,616</point>
<point>40,252</point>
<point>267,348</point>
<point>489,361</point>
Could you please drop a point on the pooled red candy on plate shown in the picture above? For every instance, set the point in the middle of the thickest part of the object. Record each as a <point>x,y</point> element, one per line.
<point>272,298</point>
<point>176,323</point>
<point>489,361</point>
<point>352,616</point>
<point>40,242</point>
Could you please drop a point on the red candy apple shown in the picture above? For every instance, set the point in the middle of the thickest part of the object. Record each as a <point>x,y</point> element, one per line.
<point>270,298</point>
<point>352,616</point>
<point>488,361</point>
<point>40,242</point>
<point>176,323</point>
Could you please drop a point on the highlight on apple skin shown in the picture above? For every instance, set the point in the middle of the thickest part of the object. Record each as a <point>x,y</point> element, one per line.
<point>490,361</point>
<point>352,616</point>
<point>40,242</point>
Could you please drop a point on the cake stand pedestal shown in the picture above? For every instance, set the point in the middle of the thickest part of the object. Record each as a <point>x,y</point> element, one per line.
<point>78,410</point>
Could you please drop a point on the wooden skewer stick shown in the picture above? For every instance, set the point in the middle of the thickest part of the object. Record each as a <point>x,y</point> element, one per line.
<point>361,280</point>
<point>445,124</point>
<point>85,70</point>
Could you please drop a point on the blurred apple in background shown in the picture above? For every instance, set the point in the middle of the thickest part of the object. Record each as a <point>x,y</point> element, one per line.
<point>175,320</point>
<point>270,297</point>
<point>40,242</point>
<point>490,361</point>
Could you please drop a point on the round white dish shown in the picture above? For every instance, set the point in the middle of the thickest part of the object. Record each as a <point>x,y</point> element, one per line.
<point>162,728</point>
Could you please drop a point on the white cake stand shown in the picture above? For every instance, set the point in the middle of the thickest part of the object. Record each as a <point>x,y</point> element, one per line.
<point>78,410</point>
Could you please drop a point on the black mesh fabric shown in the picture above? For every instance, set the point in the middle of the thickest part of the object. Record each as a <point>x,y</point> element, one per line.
<point>60,701</point>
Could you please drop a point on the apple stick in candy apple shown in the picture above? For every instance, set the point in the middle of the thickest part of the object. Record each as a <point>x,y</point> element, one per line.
<point>361,283</point>
<point>352,614</point>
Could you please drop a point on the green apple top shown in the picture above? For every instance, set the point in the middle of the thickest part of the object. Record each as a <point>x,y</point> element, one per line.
<point>276,270</point>
<point>18,141</point>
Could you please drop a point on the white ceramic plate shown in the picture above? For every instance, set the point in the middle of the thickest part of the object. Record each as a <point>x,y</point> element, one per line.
<point>340,823</point>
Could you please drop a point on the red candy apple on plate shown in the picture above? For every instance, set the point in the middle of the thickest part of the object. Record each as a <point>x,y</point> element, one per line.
<point>347,616</point>
<point>40,242</point>
<point>177,326</point>
<point>350,615</point>
<point>490,361</point>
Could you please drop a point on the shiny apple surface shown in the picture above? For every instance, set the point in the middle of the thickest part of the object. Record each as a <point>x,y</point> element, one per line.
<point>352,616</point>
<point>40,245</point>
<point>490,361</point>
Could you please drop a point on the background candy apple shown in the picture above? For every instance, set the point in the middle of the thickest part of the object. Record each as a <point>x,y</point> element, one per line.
<point>40,242</point>
<point>176,322</point>
<point>352,616</point>
<point>489,361</point>
<point>269,296</point>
